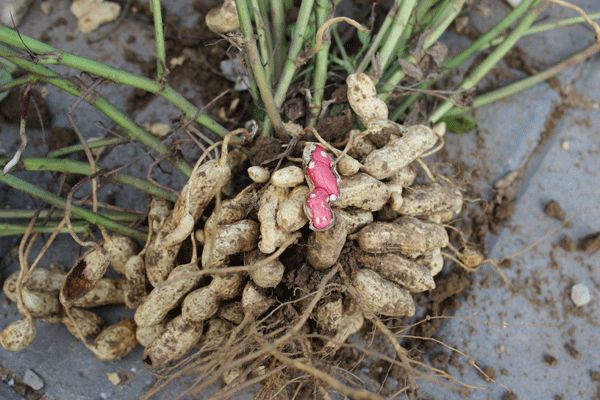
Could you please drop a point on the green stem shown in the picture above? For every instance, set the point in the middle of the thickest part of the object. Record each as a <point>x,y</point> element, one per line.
<point>82,168</point>
<point>257,69</point>
<point>59,202</point>
<point>134,131</point>
<point>471,80</point>
<point>467,53</point>
<point>17,82</point>
<point>279,42</point>
<point>321,61</point>
<point>529,82</point>
<point>159,38</point>
<point>265,52</point>
<point>395,32</point>
<point>378,37</point>
<point>120,216</point>
<point>92,144</point>
<point>431,36</point>
<point>49,55</point>
<point>16,229</point>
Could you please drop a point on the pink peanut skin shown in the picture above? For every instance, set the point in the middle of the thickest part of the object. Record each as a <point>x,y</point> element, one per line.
<point>317,205</point>
<point>324,184</point>
<point>319,170</point>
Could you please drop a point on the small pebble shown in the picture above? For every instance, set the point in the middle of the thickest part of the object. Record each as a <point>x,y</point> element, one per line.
<point>580,295</point>
<point>32,380</point>
<point>114,378</point>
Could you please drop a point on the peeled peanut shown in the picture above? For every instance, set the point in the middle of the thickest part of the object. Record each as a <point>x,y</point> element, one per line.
<point>166,296</point>
<point>106,292</point>
<point>17,335</point>
<point>272,236</point>
<point>145,335</point>
<point>362,97</point>
<point>84,275</point>
<point>324,247</point>
<point>362,191</point>
<point>179,337</point>
<point>223,19</point>
<point>267,275</point>
<point>420,200</point>
<point>382,296</point>
<point>259,174</point>
<point>400,270</point>
<point>119,249</point>
<point>288,177</point>
<point>407,235</point>
<point>291,215</point>
<point>89,323</point>
<point>229,239</point>
<point>115,341</point>
<point>399,152</point>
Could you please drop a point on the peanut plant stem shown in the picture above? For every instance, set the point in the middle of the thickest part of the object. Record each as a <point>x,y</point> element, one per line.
<point>257,69</point>
<point>279,42</point>
<point>82,168</point>
<point>321,61</point>
<point>385,25</point>
<point>92,144</point>
<point>119,216</point>
<point>395,32</point>
<point>17,82</point>
<point>471,80</point>
<point>17,229</point>
<point>263,43</point>
<point>134,131</point>
<point>52,199</point>
<point>523,84</point>
<point>49,55</point>
<point>159,38</point>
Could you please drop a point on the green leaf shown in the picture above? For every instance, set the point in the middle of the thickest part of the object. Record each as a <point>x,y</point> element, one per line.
<point>5,77</point>
<point>459,124</point>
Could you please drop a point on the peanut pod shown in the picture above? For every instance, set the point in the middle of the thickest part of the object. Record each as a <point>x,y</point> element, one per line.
<point>179,337</point>
<point>267,275</point>
<point>290,215</point>
<point>324,247</point>
<point>115,341</point>
<point>17,335</point>
<point>106,292</point>
<point>229,239</point>
<point>382,296</point>
<point>203,303</point>
<point>433,198</point>
<point>84,275</point>
<point>362,191</point>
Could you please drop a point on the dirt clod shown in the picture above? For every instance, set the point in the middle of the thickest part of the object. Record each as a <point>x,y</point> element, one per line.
<point>567,244</point>
<point>550,359</point>
<point>590,243</point>
<point>554,210</point>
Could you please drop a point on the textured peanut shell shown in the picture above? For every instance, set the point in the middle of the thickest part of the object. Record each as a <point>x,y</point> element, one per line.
<point>145,335</point>
<point>404,177</point>
<point>420,200</point>
<point>291,215</point>
<point>272,236</point>
<point>362,97</point>
<point>399,152</point>
<point>382,296</point>
<point>166,296</point>
<point>406,235</point>
<point>41,304</point>
<point>115,341</point>
<point>17,335</point>
<point>119,249</point>
<point>200,305</point>
<point>235,209</point>
<point>41,279</point>
<point>216,333</point>
<point>259,174</point>
<point>267,275</point>
<point>348,166</point>
<point>350,323</point>
<point>254,301</point>
<point>106,292</point>
<point>362,191</point>
<point>288,177</point>
<point>230,239</point>
<point>324,247</point>
<point>158,212</point>
<point>232,312</point>
<point>357,218</point>
<point>400,270</point>
<point>89,323</point>
<point>433,260</point>
<point>84,275</point>
<point>329,315</point>
<point>135,282</point>
<point>206,181</point>
<point>361,146</point>
<point>178,338</point>
<point>223,19</point>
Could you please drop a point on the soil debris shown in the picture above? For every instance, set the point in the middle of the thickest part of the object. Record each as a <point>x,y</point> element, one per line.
<point>590,243</point>
<point>567,244</point>
<point>580,295</point>
<point>550,359</point>
<point>554,210</point>
<point>33,380</point>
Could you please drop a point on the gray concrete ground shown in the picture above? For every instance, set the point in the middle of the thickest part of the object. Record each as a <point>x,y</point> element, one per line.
<point>539,345</point>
